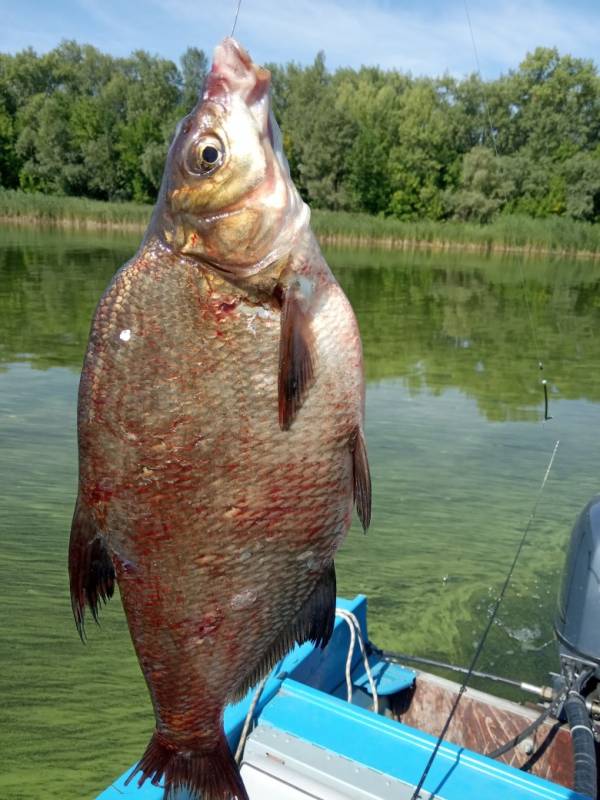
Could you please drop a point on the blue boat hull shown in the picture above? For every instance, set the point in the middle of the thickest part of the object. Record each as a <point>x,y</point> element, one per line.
<point>303,705</point>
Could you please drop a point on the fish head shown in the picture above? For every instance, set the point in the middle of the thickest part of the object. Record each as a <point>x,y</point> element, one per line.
<point>227,196</point>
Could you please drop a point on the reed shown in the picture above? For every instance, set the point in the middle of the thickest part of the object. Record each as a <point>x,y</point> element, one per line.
<point>520,234</point>
<point>505,234</point>
<point>77,212</point>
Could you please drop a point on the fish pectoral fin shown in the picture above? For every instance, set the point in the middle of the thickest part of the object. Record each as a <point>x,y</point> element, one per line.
<point>313,623</point>
<point>296,355</point>
<point>362,478</point>
<point>91,570</point>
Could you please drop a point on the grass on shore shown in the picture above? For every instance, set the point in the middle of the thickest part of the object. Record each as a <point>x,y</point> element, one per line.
<point>519,233</point>
<point>71,211</point>
<point>509,233</point>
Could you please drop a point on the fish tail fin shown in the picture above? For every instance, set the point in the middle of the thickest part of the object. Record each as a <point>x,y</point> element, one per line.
<point>205,774</point>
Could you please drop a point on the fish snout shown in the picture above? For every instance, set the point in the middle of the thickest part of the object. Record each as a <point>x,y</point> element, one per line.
<point>234,73</point>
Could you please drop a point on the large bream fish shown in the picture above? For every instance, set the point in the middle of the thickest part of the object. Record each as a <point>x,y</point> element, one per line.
<point>221,437</point>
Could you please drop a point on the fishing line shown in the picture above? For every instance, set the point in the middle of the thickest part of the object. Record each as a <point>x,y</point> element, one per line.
<point>490,622</point>
<point>525,296</point>
<point>237,12</point>
<point>485,104</point>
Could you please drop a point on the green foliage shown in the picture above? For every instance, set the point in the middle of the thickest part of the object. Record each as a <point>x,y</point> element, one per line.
<point>194,66</point>
<point>582,180</point>
<point>484,187</point>
<point>76,211</point>
<point>76,121</point>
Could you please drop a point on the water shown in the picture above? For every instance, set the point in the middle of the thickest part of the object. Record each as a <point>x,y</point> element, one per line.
<point>458,450</point>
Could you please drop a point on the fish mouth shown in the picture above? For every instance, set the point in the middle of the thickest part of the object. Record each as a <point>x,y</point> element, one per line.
<point>234,73</point>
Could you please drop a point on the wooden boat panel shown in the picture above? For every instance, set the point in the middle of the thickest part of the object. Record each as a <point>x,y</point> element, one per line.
<point>482,723</point>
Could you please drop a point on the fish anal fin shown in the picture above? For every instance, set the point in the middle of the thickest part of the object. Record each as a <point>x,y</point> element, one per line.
<point>91,570</point>
<point>362,478</point>
<point>313,623</point>
<point>210,774</point>
<point>296,355</point>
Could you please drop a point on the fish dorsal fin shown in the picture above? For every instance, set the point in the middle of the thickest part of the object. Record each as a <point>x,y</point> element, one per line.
<point>296,354</point>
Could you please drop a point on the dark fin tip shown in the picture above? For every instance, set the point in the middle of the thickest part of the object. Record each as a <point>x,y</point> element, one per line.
<point>91,571</point>
<point>296,358</point>
<point>362,478</point>
<point>205,775</point>
<point>313,623</point>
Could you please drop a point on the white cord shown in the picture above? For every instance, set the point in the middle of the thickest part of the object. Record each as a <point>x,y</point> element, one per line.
<point>356,633</point>
<point>248,720</point>
<point>350,624</point>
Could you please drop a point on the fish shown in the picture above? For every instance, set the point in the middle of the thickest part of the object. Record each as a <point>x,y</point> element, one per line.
<point>220,430</point>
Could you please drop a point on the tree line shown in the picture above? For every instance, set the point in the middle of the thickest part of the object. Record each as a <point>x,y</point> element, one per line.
<point>76,121</point>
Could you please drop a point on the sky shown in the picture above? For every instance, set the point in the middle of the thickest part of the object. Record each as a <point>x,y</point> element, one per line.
<point>425,37</point>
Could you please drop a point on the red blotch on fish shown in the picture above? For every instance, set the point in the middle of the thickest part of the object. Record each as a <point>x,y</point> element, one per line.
<point>209,623</point>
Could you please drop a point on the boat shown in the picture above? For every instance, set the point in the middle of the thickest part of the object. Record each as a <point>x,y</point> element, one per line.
<point>350,723</point>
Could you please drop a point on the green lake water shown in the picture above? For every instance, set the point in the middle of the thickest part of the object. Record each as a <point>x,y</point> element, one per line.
<point>458,449</point>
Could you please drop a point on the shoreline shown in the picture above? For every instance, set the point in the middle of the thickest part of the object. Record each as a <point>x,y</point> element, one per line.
<point>335,239</point>
<point>447,246</point>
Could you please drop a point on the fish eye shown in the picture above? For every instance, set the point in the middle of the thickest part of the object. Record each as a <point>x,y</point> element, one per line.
<point>205,155</point>
<point>210,154</point>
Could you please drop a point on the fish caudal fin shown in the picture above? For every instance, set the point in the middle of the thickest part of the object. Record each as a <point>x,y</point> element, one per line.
<point>313,623</point>
<point>206,775</point>
<point>362,478</point>
<point>91,571</point>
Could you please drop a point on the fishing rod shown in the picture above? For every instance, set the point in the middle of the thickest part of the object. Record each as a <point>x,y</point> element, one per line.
<point>543,692</point>
<point>488,627</point>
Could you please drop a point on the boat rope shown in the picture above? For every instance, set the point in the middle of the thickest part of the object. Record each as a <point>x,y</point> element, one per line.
<point>493,134</point>
<point>237,12</point>
<point>356,633</point>
<point>490,622</point>
<point>248,721</point>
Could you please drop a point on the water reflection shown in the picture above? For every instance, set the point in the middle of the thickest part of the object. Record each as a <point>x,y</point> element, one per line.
<point>49,286</point>
<point>450,351</point>
<point>479,325</point>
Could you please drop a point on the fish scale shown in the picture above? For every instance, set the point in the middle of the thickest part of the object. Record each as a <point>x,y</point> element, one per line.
<point>220,435</point>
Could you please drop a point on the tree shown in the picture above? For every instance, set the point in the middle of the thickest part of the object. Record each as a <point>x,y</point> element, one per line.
<point>319,136</point>
<point>194,67</point>
<point>555,102</point>
<point>79,121</point>
<point>484,186</point>
<point>582,178</point>
<point>423,159</point>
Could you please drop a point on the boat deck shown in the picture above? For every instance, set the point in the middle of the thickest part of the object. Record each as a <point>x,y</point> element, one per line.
<point>308,742</point>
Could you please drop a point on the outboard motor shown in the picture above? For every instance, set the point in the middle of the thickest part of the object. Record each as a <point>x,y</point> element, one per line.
<point>577,628</point>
